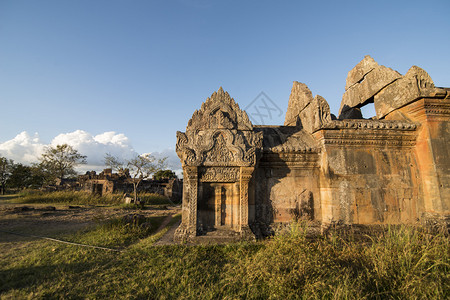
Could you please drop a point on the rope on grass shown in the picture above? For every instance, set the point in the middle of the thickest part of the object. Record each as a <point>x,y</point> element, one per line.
<point>60,241</point>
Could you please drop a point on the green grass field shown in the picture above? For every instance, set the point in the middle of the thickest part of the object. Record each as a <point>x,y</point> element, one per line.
<point>404,263</point>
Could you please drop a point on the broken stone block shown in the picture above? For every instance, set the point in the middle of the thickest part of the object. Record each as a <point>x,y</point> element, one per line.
<point>305,110</point>
<point>300,97</point>
<point>315,114</point>
<point>350,113</point>
<point>414,84</point>
<point>360,70</point>
<point>371,79</point>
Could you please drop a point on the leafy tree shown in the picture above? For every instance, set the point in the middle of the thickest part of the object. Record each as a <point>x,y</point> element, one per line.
<point>21,176</point>
<point>140,167</point>
<point>61,160</point>
<point>40,176</point>
<point>164,174</point>
<point>5,172</point>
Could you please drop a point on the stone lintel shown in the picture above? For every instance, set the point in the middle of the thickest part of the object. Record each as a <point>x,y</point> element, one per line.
<point>363,137</point>
<point>426,109</point>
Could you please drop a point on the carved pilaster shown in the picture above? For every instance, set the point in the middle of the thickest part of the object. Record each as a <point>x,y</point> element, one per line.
<point>191,176</point>
<point>246,175</point>
<point>218,206</point>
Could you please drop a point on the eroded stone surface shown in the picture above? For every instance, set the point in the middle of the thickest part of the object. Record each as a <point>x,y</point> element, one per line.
<point>360,70</point>
<point>300,97</point>
<point>242,180</point>
<point>360,92</point>
<point>416,83</point>
<point>218,151</point>
<point>315,114</point>
<point>306,111</point>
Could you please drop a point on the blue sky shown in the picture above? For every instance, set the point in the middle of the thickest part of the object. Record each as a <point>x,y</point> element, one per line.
<point>140,69</point>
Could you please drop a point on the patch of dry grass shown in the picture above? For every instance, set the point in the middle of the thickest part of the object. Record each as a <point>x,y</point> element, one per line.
<point>82,198</point>
<point>401,263</point>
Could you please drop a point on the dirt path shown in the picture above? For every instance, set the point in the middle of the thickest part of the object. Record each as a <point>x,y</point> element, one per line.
<point>56,221</point>
<point>164,223</point>
<point>167,238</point>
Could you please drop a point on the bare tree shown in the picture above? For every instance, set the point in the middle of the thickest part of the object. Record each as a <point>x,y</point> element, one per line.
<point>140,167</point>
<point>61,160</point>
<point>5,171</point>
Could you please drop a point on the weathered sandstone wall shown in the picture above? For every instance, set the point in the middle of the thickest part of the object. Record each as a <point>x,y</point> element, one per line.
<point>245,180</point>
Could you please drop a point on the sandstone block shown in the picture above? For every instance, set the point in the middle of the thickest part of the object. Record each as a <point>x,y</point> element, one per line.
<point>350,113</point>
<point>414,84</point>
<point>372,83</point>
<point>305,110</point>
<point>369,84</point>
<point>360,70</point>
<point>315,114</point>
<point>300,97</point>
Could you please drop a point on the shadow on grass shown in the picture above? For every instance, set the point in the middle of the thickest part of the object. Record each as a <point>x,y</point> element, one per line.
<point>32,276</point>
<point>9,198</point>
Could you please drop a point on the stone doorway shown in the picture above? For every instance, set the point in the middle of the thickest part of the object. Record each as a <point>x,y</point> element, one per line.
<point>97,189</point>
<point>227,205</point>
<point>215,200</point>
<point>219,207</point>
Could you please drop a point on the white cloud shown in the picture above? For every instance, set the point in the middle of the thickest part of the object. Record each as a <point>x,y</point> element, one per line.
<point>23,148</point>
<point>95,147</point>
<point>27,149</point>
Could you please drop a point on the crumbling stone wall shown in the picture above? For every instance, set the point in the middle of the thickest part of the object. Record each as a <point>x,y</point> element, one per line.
<point>390,169</point>
<point>108,182</point>
<point>369,175</point>
<point>286,179</point>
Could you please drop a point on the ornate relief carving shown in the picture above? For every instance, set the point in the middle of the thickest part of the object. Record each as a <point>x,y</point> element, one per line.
<point>219,111</point>
<point>191,175</point>
<point>219,174</point>
<point>370,124</point>
<point>219,134</point>
<point>218,143</point>
<point>246,175</point>
<point>220,152</point>
<point>244,203</point>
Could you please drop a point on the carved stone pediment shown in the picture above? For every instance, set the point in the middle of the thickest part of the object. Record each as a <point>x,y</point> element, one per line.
<point>220,111</point>
<point>219,134</point>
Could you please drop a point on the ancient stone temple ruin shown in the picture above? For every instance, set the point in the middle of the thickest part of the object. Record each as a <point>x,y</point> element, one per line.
<point>244,180</point>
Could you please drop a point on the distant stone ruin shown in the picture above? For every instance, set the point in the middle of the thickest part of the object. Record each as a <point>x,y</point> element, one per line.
<point>394,168</point>
<point>108,182</point>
